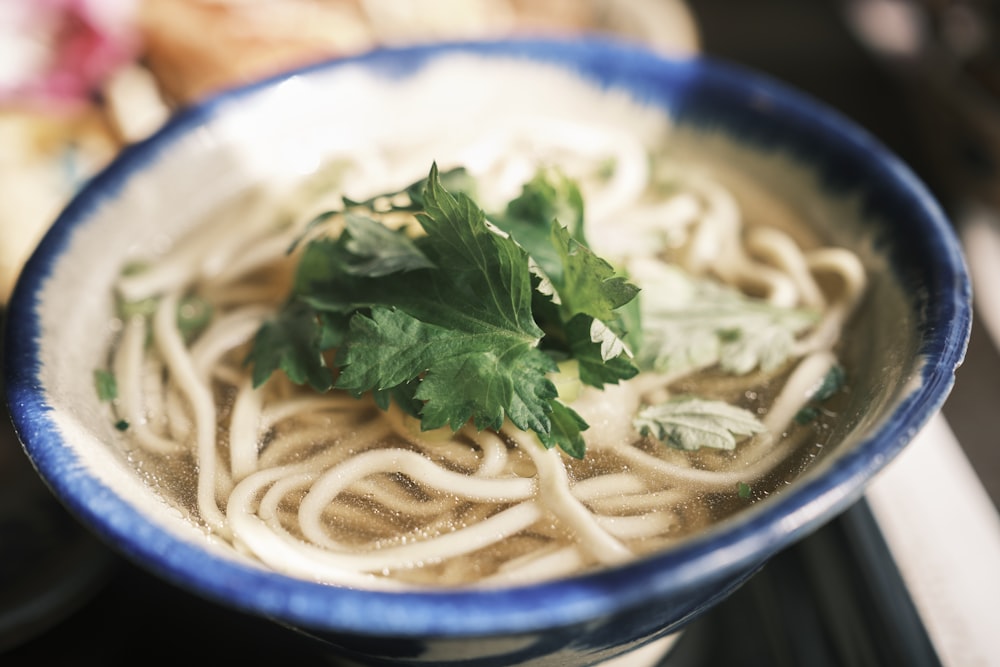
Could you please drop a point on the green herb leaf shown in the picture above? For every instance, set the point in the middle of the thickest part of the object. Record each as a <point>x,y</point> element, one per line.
<point>833,382</point>
<point>596,368</point>
<point>691,324</point>
<point>411,198</point>
<point>291,342</point>
<point>141,308</point>
<point>467,331</point>
<point>743,490</point>
<point>547,220</point>
<point>193,314</point>
<point>381,251</point>
<point>550,196</point>
<point>567,431</point>
<point>806,415</point>
<point>587,284</point>
<point>692,423</point>
<point>457,338</point>
<point>106,385</point>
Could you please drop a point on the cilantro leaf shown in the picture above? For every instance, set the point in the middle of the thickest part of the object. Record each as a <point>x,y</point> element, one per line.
<point>381,251</point>
<point>485,384</point>
<point>691,323</point>
<point>483,375</point>
<point>547,220</point>
<point>549,196</point>
<point>411,198</point>
<point>587,283</point>
<point>692,423</point>
<point>566,433</point>
<point>833,382</point>
<point>582,314</point>
<point>193,314</point>
<point>291,342</point>
<point>106,385</point>
<point>450,325</point>
<point>467,332</point>
<point>595,367</point>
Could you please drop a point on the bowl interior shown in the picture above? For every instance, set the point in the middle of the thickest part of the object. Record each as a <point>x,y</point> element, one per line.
<point>770,146</point>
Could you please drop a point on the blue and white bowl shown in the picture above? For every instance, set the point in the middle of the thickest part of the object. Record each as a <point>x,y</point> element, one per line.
<point>917,326</point>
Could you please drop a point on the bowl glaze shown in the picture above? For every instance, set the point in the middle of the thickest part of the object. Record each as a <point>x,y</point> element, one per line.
<point>916,329</point>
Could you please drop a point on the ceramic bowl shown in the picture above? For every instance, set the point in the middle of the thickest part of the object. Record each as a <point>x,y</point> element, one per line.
<point>913,331</point>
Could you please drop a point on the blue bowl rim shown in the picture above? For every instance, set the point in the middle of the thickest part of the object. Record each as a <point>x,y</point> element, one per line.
<point>725,553</point>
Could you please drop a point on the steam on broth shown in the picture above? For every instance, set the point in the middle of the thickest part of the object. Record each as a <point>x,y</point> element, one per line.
<point>741,323</point>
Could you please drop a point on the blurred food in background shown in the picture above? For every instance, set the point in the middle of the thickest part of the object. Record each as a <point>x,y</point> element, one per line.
<point>54,56</point>
<point>79,79</point>
<point>198,46</point>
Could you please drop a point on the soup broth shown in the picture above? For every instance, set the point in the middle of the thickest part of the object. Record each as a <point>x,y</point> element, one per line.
<point>740,373</point>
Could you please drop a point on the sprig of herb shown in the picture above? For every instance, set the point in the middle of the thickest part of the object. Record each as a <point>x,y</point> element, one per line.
<point>692,423</point>
<point>106,385</point>
<point>691,323</point>
<point>833,382</point>
<point>472,318</point>
<point>450,324</point>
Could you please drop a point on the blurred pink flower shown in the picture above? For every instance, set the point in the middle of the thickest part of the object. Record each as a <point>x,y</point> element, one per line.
<point>60,51</point>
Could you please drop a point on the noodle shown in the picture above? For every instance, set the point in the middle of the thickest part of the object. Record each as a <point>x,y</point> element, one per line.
<point>331,488</point>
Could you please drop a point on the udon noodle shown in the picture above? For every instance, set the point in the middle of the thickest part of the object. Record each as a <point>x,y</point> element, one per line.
<point>332,488</point>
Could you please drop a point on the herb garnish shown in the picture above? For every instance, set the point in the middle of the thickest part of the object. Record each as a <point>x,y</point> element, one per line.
<point>465,321</point>
<point>833,382</point>
<point>693,323</point>
<point>421,298</point>
<point>690,423</point>
<point>106,385</point>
